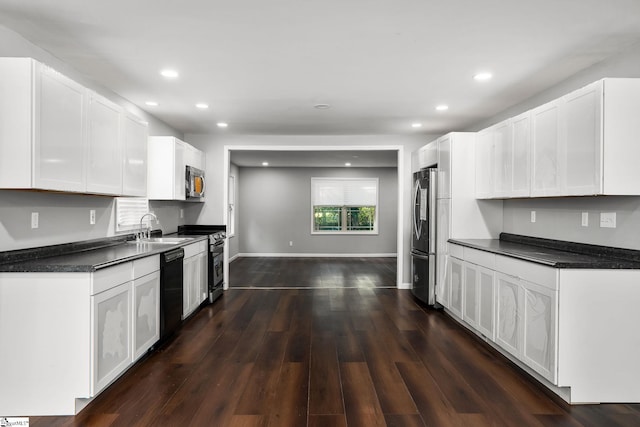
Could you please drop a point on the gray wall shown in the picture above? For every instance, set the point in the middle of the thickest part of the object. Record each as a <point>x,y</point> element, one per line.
<point>213,146</point>
<point>275,208</point>
<point>65,217</point>
<point>559,218</point>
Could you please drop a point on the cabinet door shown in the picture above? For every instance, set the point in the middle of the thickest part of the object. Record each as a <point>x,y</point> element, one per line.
<point>204,276</point>
<point>444,168</point>
<point>187,284</point>
<point>134,171</point>
<point>443,285</point>
<point>470,298</point>
<point>509,314</point>
<point>521,169</point>
<point>540,314</point>
<point>545,145</point>
<point>443,207</point>
<point>582,168</point>
<point>104,147</point>
<point>179,186</point>
<point>503,160</point>
<point>456,272</point>
<point>196,284</point>
<point>146,329</point>
<point>484,164</point>
<point>486,299</point>
<point>59,157</point>
<point>111,351</point>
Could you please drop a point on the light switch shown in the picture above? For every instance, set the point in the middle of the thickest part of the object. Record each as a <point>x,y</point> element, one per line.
<point>533,216</point>
<point>92,216</point>
<point>34,219</point>
<point>608,219</point>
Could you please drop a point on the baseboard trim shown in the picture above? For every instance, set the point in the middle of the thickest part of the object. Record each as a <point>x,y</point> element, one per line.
<point>404,286</point>
<point>299,255</point>
<point>235,257</point>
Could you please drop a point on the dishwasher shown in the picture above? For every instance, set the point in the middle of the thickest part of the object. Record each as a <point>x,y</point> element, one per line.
<point>170,292</point>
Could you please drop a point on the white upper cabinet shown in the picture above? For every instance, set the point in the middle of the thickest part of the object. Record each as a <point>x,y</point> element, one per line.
<point>485,158</point>
<point>104,146</point>
<point>166,168</point>
<point>502,159</point>
<point>194,157</point>
<point>134,171</point>
<point>545,148</point>
<point>59,148</point>
<point>55,134</point>
<point>444,167</point>
<point>584,143</point>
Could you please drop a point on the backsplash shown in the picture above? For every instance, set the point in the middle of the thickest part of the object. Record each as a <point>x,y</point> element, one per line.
<point>64,218</point>
<point>561,218</point>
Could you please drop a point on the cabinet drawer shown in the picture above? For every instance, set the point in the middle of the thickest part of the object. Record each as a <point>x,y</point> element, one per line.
<point>485,259</point>
<point>110,277</point>
<point>529,271</point>
<point>456,251</point>
<point>144,266</point>
<point>195,248</point>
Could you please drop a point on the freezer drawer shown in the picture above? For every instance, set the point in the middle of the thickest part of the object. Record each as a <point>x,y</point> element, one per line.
<point>423,274</point>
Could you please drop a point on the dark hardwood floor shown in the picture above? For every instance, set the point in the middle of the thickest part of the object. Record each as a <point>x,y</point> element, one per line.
<point>283,273</point>
<point>344,356</point>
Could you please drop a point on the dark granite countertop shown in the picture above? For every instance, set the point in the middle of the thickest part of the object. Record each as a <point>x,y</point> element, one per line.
<point>556,253</point>
<point>84,256</point>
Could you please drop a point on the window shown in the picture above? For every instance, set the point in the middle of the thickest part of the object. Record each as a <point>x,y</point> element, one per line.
<point>231,198</point>
<point>129,211</point>
<point>344,205</point>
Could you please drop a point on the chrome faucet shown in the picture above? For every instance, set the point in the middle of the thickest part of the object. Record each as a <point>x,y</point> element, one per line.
<point>142,234</point>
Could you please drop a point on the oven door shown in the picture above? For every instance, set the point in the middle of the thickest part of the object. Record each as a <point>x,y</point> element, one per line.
<point>216,271</point>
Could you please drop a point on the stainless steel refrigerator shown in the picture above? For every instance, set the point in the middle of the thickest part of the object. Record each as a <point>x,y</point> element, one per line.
<point>423,243</point>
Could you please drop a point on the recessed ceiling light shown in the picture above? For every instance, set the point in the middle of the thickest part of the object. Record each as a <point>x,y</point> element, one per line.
<point>222,124</point>
<point>416,125</point>
<point>322,106</point>
<point>442,107</point>
<point>202,105</point>
<point>483,77</point>
<point>151,103</point>
<point>347,164</point>
<point>169,74</point>
<point>265,163</point>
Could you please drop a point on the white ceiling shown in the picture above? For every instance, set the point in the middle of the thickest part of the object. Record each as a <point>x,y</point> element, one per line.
<point>380,64</point>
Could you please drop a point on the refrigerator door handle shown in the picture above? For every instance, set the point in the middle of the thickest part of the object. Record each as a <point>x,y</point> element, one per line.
<point>418,256</point>
<point>417,225</point>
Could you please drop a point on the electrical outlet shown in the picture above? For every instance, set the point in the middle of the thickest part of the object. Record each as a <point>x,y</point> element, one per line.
<point>290,242</point>
<point>533,216</point>
<point>92,217</point>
<point>608,219</point>
<point>181,213</point>
<point>585,219</point>
<point>34,219</point>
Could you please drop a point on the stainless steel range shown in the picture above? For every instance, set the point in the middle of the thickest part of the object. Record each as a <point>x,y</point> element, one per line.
<point>217,237</point>
<point>216,264</point>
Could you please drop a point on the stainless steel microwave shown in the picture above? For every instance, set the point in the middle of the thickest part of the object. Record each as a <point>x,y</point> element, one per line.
<point>195,184</point>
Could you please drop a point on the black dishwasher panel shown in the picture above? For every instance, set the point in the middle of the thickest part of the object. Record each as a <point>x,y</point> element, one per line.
<point>170,292</point>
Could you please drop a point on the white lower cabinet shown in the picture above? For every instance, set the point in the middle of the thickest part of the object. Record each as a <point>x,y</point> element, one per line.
<point>146,295</point>
<point>125,317</point>
<point>194,277</point>
<point>112,351</point>
<point>509,314</point>
<point>455,276</point>
<point>540,310</point>
<point>518,315</point>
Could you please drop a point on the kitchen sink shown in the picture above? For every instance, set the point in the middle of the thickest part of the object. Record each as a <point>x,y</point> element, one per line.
<point>161,240</point>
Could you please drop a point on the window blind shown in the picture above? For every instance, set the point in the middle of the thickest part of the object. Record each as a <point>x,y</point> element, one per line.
<point>129,210</point>
<point>344,191</point>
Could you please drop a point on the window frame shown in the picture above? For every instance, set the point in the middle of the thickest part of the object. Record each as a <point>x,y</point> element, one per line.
<point>343,231</point>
